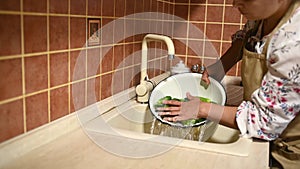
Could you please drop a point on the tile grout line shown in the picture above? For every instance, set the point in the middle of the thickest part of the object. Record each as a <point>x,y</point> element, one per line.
<point>222,29</point>
<point>101,57</point>
<point>123,47</point>
<point>86,55</point>
<point>187,33</point>
<point>204,32</point>
<point>48,63</point>
<point>23,67</point>
<point>69,58</point>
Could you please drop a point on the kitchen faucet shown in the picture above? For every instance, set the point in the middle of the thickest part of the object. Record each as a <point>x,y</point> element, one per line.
<point>145,87</point>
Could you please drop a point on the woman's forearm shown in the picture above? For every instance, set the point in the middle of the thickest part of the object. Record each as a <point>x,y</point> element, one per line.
<point>227,61</point>
<point>224,115</point>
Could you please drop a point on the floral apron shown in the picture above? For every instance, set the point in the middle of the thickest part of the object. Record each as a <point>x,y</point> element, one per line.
<point>285,149</point>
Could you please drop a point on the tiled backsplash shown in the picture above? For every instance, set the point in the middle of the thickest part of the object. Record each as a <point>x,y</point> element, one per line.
<point>44,57</point>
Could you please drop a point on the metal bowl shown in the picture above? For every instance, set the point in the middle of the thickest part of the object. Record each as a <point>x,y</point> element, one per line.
<point>178,85</point>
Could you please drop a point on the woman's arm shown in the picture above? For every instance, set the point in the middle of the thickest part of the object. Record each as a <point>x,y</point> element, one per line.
<point>227,61</point>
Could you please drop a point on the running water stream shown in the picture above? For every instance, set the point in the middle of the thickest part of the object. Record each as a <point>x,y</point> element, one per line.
<point>199,133</point>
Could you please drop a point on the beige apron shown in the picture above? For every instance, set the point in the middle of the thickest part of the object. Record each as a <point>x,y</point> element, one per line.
<point>254,67</point>
<point>286,149</point>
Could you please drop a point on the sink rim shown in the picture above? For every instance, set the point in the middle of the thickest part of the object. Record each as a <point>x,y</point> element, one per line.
<point>240,147</point>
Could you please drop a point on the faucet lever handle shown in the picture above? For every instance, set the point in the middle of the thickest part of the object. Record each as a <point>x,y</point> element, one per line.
<point>198,69</point>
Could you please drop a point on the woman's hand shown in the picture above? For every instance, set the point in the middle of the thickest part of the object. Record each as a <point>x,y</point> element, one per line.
<point>178,111</point>
<point>205,78</point>
<point>202,69</point>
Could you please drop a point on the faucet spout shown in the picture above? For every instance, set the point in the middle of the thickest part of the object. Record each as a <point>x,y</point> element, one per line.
<point>145,86</point>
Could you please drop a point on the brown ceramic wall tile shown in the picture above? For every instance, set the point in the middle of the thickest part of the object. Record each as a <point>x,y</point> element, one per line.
<point>213,31</point>
<point>232,71</point>
<point>160,6</point>
<point>78,94</point>
<point>136,75</point>
<point>10,35</point>
<point>35,6</point>
<point>58,33</point>
<point>78,7</point>
<point>58,69</point>
<point>138,6</point>
<point>108,8</point>
<point>232,15</point>
<point>229,30</point>
<point>10,5</point>
<point>214,13</point>
<point>193,60</point>
<point>165,65</point>
<point>35,33</point>
<point>197,13</point>
<point>229,1</point>
<point>128,77</point>
<point>215,1</point>
<point>118,56</point>
<point>117,84</point>
<point>212,49</point>
<point>225,47</point>
<point>58,6</point>
<point>120,8</point>
<point>154,6</point>
<point>195,48</point>
<point>128,54</point>
<point>77,65</point>
<point>167,28</point>
<point>94,7</point>
<point>180,46</point>
<point>167,9</point>
<point>196,30</point>
<point>129,7</point>
<point>106,80</point>
<point>59,104</point>
<point>93,90</point>
<point>93,61</point>
<point>78,32</point>
<point>158,67</point>
<point>11,120</point>
<point>152,49</point>
<point>36,73</point>
<point>107,54</point>
<point>180,30</point>
<point>107,31</point>
<point>11,85</point>
<point>119,30</point>
<point>147,5</point>
<point>181,11</point>
<point>181,1</point>
<point>198,1</point>
<point>36,110</point>
<point>137,48</point>
<point>129,30</point>
<point>244,19</point>
<point>151,69</point>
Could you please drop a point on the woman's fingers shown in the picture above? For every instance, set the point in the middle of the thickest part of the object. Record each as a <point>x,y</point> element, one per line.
<point>170,119</point>
<point>172,102</point>
<point>205,77</point>
<point>169,112</point>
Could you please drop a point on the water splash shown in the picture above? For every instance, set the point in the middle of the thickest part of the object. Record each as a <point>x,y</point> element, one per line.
<point>200,133</point>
